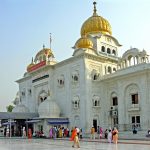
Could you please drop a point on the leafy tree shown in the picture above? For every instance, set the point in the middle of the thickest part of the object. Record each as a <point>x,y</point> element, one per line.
<point>9,108</point>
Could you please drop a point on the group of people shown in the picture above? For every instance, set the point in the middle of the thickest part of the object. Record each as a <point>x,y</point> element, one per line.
<point>113,135</point>
<point>110,134</point>
<point>58,132</point>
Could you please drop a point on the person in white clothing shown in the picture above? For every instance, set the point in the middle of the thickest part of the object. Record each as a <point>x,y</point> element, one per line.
<point>23,132</point>
<point>109,136</point>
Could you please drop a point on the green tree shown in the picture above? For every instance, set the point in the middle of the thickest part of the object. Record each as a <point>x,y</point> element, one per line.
<point>9,108</point>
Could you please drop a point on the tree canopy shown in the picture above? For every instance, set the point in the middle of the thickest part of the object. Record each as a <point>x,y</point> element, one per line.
<point>9,108</point>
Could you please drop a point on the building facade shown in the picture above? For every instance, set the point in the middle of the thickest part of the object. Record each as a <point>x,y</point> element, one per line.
<point>94,87</point>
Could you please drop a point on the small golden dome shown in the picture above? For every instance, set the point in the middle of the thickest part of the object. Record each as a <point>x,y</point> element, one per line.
<point>84,42</point>
<point>96,24</point>
<point>44,52</point>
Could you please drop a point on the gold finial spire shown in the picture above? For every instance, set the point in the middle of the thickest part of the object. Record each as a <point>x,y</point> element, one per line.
<point>94,14</point>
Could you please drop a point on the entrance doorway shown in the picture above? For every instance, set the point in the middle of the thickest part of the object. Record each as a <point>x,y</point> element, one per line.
<point>95,124</point>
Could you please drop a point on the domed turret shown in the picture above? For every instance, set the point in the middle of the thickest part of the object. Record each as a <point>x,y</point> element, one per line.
<point>42,54</point>
<point>49,109</point>
<point>96,24</point>
<point>84,42</point>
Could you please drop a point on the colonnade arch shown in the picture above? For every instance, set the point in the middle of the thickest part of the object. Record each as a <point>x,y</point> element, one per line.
<point>133,57</point>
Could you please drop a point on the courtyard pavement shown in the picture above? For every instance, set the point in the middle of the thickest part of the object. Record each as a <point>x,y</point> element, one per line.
<point>65,144</point>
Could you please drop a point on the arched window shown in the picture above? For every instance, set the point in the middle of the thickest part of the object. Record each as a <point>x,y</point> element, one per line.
<point>96,101</point>
<point>95,75</point>
<point>103,49</point>
<point>134,98</point>
<point>131,60</point>
<point>61,80</point>
<point>114,101</point>
<point>109,69</point>
<point>76,102</point>
<point>75,77</point>
<point>108,50</point>
<point>114,52</point>
<point>114,69</point>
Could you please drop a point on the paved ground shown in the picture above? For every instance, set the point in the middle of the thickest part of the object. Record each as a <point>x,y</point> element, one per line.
<point>86,144</point>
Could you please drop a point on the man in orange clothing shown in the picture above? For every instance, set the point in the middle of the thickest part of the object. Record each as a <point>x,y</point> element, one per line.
<point>75,138</point>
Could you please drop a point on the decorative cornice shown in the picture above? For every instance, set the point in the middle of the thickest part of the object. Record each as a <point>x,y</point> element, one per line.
<point>33,73</point>
<point>23,79</point>
<point>99,58</point>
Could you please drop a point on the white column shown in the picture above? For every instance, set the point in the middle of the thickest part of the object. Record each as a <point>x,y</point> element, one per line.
<point>10,128</point>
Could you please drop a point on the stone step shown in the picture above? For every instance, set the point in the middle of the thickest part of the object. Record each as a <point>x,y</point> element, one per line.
<point>130,135</point>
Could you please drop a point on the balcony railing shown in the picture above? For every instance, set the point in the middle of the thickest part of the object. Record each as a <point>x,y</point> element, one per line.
<point>134,107</point>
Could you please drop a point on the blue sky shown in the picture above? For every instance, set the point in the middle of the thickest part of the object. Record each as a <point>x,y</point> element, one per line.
<point>25,26</point>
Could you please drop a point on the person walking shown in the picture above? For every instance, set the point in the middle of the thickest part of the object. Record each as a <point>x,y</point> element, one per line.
<point>115,135</point>
<point>23,132</point>
<point>75,138</point>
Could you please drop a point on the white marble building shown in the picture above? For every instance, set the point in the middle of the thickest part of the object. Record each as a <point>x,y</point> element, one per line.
<point>94,86</point>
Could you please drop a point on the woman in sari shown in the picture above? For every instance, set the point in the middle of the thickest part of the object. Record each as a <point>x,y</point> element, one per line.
<point>29,133</point>
<point>75,138</point>
<point>115,135</point>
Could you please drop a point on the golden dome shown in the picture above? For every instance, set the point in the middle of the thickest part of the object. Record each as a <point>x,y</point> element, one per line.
<point>84,42</point>
<point>44,52</point>
<point>96,24</point>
